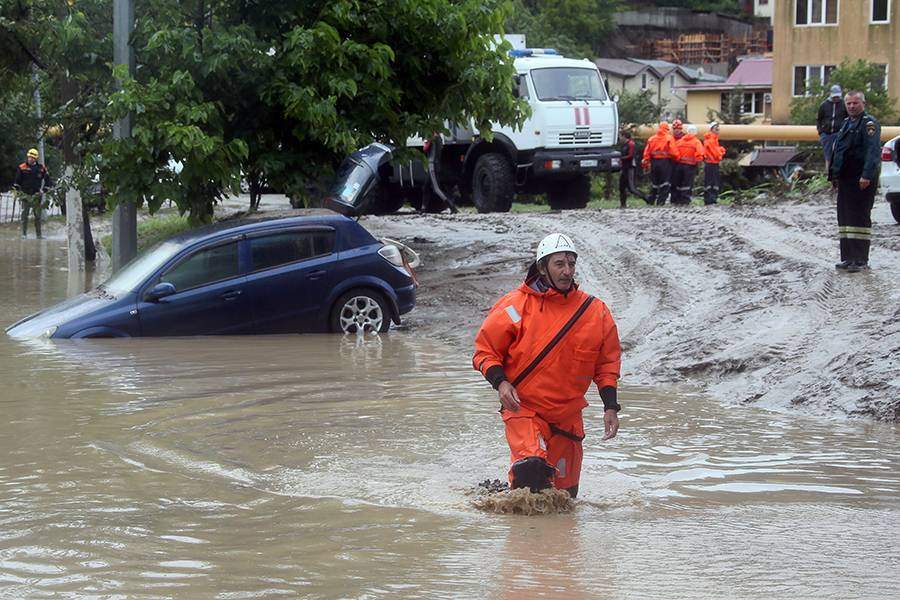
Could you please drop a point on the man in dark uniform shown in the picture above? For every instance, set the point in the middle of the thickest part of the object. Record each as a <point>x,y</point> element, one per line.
<point>854,170</point>
<point>626,175</point>
<point>32,179</point>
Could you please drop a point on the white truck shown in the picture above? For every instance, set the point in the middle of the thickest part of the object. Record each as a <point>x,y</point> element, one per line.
<point>571,133</point>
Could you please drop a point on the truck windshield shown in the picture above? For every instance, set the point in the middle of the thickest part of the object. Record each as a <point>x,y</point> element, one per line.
<point>567,83</point>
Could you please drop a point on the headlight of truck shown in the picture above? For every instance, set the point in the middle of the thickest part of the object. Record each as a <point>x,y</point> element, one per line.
<point>48,333</point>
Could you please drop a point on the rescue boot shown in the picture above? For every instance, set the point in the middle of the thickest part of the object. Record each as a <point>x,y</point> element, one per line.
<point>843,265</point>
<point>532,472</point>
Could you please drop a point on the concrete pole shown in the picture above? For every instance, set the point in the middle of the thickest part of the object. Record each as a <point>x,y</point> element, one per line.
<point>124,222</point>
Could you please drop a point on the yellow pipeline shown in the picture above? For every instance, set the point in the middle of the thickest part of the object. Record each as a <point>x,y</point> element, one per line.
<point>767,133</point>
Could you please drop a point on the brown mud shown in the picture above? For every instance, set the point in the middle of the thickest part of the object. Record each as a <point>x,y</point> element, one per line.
<point>741,302</point>
<point>522,501</point>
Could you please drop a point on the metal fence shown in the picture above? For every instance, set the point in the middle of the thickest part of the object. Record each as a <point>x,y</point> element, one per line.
<point>11,209</point>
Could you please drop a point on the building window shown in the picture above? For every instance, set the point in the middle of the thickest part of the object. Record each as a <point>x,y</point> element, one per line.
<point>881,11</point>
<point>808,77</point>
<point>880,82</point>
<point>816,12</point>
<point>643,81</point>
<point>753,104</point>
<point>671,81</point>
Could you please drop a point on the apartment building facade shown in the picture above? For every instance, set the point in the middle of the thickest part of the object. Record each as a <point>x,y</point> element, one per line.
<point>812,37</point>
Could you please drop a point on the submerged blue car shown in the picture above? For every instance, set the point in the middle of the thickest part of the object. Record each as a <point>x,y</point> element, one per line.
<point>317,272</point>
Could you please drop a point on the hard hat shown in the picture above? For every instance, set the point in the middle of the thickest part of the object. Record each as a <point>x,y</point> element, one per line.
<point>663,126</point>
<point>553,243</point>
<point>835,91</point>
<point>691,129</point>
<point>713,124</point>
<point>33,153</point>
<point>676,124</point>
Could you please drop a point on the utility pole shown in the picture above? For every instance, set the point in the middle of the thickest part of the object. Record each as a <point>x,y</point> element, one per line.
<point>124,232</point>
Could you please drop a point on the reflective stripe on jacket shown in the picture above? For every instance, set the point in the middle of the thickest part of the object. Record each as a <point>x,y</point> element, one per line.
<point>660,145</point>
<point>713,152</point>
<point>688,150</point>
<point>520,325</point>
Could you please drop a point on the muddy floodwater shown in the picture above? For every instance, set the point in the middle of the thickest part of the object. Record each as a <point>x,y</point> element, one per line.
<point>337,467</point>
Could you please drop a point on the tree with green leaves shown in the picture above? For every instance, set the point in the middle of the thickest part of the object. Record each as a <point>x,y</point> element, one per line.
<point>63,49</point>
<point>286,91</point>
<point>638,108</point>
<point>850,75</point>
<point>576,28</point>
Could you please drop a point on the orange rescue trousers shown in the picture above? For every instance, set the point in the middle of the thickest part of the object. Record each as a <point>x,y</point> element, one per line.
<point>530,435</point>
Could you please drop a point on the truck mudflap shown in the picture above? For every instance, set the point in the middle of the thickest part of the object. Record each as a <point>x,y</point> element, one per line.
<point>552,162</point>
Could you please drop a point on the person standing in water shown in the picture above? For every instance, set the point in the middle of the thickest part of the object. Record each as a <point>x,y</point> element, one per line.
<point>540,347</point>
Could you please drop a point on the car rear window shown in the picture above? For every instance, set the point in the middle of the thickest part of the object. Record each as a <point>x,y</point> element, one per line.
<point>289,246</point>
<point>205,266</point>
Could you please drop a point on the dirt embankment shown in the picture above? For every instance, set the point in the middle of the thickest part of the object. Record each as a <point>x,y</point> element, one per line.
<point>743,302</point>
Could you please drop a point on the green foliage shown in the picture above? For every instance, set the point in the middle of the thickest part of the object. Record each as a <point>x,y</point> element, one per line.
<point>153,230</point>
<point>62,49</point>
<point>850,75</point>
<point>638,108</point>
<point>576,28</point>
<point>285,92</point>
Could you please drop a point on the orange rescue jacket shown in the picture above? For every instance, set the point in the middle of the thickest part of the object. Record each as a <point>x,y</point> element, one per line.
<point>689,150</point>
<point>660,145</point>
<point>713,151</point>
<point>520,325</point>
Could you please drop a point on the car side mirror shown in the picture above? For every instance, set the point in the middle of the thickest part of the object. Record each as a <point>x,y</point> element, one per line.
<point>159,291</point>
<point>615,98</point>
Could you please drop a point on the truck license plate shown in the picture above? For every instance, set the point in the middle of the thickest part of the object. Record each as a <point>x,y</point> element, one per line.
<point>588,163</point>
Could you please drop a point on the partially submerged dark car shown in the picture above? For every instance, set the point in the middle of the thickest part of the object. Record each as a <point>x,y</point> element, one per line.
<point>317,272</point>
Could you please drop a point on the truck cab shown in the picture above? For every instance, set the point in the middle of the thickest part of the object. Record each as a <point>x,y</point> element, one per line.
<point>572,132</point>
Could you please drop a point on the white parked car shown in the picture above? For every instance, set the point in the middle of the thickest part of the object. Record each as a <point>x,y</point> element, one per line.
<point>890,175</point>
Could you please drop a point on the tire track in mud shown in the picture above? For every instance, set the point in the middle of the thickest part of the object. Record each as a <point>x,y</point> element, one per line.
<point>742,301</point>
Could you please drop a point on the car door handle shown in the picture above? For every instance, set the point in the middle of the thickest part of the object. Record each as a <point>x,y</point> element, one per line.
<point>315,274</point>
<point>231,294</point>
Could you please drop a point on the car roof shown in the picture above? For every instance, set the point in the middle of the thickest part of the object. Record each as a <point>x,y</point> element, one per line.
<point>269,220</point>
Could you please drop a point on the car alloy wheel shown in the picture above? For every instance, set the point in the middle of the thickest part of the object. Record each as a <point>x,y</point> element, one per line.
<point>361,314</point>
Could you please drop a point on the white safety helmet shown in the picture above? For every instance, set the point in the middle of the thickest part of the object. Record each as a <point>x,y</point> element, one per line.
<point>691,129</point>
<point>555,242</point>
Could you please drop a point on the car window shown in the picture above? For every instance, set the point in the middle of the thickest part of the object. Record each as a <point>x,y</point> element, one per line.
<point>205,266</point>
<point>287,247</point>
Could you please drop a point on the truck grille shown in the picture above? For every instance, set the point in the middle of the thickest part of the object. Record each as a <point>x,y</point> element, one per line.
<point>570,138</point>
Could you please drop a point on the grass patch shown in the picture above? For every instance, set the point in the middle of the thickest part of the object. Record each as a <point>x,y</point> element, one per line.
<point>153,230</point>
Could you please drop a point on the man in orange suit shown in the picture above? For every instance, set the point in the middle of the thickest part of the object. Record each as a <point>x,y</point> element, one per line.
<point>540,347</point>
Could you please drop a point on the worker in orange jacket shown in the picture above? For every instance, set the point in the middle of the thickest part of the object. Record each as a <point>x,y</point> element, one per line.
<point>713,153</point>
<point>658,155</point>
<point>688,156</point>
<point>540,347</point>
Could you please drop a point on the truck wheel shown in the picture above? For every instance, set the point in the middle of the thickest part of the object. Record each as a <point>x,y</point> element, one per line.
<point>895,210</point>
<point>493,183</point>
<point>579,191</point>
<point>573,193</point>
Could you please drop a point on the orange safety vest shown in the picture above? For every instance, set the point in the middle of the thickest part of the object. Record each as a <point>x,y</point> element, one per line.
<point>689,150</point>
<point>521,324</point>
<point>713,151</point>
<point>660,145</point>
